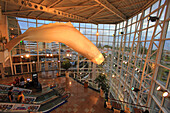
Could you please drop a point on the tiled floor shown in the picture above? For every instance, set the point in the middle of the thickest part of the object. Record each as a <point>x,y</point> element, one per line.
<point>82,100</point>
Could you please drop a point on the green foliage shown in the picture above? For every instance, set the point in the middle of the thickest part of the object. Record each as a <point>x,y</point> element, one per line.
<point>101,80</point>
<point>66,64</point>
<point>107,46</point>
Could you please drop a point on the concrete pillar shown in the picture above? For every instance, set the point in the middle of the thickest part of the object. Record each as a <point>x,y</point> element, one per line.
<point>3,26</point>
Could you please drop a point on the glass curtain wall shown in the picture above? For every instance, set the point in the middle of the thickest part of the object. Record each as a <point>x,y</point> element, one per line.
<point>141,58</point>
<point>137,54</point>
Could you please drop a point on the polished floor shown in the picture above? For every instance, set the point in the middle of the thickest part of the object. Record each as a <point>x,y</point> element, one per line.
<point>82,100</point>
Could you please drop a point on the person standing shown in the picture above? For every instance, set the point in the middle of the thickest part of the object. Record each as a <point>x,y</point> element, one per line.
<point>10,95</point>
<point>17,81</point>
<point>21,97</point>
<point>22,82</point>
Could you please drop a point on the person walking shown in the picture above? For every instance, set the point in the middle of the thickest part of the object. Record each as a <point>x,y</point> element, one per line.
<point>10,95</point>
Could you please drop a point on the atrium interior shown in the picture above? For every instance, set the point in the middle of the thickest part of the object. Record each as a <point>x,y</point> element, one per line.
<point>132,35</point>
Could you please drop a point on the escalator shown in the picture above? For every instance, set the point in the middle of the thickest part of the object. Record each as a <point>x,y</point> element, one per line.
<point>43,103</point>
<point>45,107</point>
<point>52,93</point>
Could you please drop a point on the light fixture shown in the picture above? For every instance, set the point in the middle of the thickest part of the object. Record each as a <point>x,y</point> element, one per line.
<point>136,69</point>
<point>58,61</point>
<point>52,60</point>
<point>158,88</point>
<point>27,55</point>
<point>135,89</point>
<point>165,94</point>
<point>48,55</point>
<point>97,34</point>
<point>115,65</point>
<point>113,35</point>
<point>51,55</point>
<point>120,32</point>
<point>22,56</point>
<point>33,62</point>
<point>12,29</point>
<point>153,18</point>
<point>113,76</point>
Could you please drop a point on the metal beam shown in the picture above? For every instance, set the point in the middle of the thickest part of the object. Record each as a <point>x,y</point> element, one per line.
<point>76,6</point>
<point>96,13</point>
<point>41,2</point>
<point>101,16</point>
<point>11,12</point>
<point>111,8</point>
<point>38,7</point>
<point>52,5</point>
<point>130,5</point>
<point>85,9</point>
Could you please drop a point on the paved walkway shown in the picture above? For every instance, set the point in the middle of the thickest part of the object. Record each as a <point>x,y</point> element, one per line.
<point>82,100</point>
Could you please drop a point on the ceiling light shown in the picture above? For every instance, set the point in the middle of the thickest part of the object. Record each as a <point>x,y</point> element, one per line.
<point>97,34</point>
<point>48,55</point>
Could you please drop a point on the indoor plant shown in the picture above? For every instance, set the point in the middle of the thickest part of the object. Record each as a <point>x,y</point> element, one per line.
<point>66,65</point>
<point>101,80</point>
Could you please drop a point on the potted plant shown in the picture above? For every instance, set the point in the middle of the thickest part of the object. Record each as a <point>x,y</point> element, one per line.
<point>101,80</point>
<point>66,65</point>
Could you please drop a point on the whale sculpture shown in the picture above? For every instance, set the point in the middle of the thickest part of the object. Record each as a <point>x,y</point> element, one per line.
<point>61,32</point>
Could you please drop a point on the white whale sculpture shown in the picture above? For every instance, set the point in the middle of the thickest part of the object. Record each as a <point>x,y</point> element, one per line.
<point>64,33</point>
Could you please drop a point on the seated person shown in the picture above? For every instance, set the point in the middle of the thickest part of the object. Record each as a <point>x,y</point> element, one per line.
<point>10,95</point>
<point>21,97</point>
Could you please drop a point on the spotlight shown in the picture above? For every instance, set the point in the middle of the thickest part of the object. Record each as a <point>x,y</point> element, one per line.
<point>120,32</point>
<point>22,56</point>
<point>48,55</point>
<point>27,55</point>
<point>158,88</point>
<point>153,18</point>
<point>51,55</point>
<point>113,76</point>
<point>97,34</point>
<point>135,89</point>
<point>165,94</point>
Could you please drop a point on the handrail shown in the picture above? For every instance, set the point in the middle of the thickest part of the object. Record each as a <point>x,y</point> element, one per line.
<point>129,103</point>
